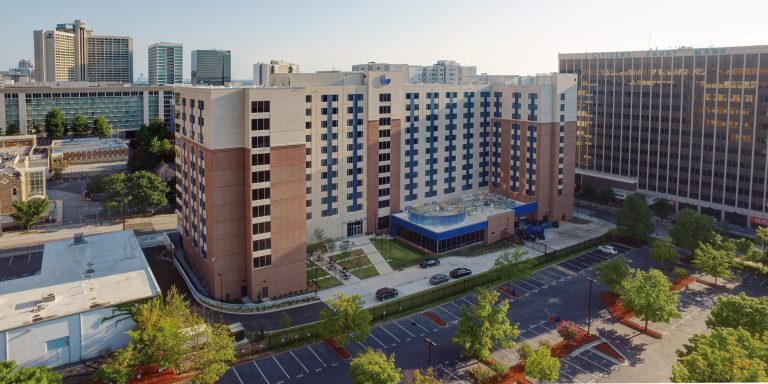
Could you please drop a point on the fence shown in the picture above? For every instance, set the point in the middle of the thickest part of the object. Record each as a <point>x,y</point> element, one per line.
<point>309,332</point>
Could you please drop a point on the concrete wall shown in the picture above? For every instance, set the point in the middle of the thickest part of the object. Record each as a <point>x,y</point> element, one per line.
<point>499,226</point>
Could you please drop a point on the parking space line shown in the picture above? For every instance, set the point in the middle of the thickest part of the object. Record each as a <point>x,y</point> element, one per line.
<point>234,369</point>
<point>579,368</point>
<point>300,363</point>
<point>468,302</point>
<point>544,276</point>
<point>401,327</point>
<point>552,272</point>
<point>573,379</point>
<point>521,288</point>
<point>578,262</point>
<point>450,373</point>
<point>535,279</point>
<point>455,305</point>
<point>281,367</point>
<point>527,283</point>
<point>593,363</point>
<point>262,373</point>
<point>417,323</point>
<point>318,357</point>
<point>498,348</point>
<point>449,312</point>
<point>377,339</point>
<point>540,334</point>
<point>389,333</point>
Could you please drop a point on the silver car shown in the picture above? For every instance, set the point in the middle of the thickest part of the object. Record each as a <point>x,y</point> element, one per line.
<point>438,279</point>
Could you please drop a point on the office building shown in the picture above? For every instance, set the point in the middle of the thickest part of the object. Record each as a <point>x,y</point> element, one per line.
<point>686,124</point>
<point>86,150</point>
<point>262,71</point>
<point>211,67</point>
<point>23,172</point>
<point>72,53</point>
<point>125,107</point>
<point>260,168</point>
<point>166,63</point>
<point>443,72</point>
<point>56,298</point>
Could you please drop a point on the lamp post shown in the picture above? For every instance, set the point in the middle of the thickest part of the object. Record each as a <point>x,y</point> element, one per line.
<point>430,344</point>
<point>221,292</point>
<point>589,306</point>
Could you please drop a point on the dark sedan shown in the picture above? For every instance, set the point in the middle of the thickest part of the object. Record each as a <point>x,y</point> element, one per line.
<point>431,262</point>
<point>386,293</point>
<point>460,272</point>
<point>438,279</point>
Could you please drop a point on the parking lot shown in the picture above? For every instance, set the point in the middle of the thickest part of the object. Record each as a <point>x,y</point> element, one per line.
<point>547,293</point>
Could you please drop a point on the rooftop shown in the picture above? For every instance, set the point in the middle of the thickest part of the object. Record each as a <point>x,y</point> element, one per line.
<point>76,145</point>
<point>105,270</point>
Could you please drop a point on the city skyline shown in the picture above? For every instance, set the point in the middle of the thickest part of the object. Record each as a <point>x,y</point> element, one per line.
<point>254,34</point>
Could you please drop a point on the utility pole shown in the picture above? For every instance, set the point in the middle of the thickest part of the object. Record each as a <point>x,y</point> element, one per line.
<point>430,344</point>
<point>589,306</point>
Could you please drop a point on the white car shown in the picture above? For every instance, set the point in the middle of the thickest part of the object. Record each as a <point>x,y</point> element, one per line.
<point>608,249</point>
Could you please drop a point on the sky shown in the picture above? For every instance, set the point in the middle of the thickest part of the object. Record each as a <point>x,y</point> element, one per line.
<point>497,36</point>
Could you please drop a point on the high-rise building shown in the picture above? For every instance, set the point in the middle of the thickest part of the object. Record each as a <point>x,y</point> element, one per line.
<point>443,72</point>
<point>262,71</point>
<point>689,125</point>
<point>72,53</point>
<point>211,67</point>
<point>166,63</point>
<point>260,168</point>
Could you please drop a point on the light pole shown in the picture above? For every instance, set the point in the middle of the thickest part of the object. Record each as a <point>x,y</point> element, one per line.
<point>430,344</point>
<point>589,306</point>
<point>221,292</point>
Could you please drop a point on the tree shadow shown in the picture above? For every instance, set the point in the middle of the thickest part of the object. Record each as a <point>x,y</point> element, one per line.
<point>631,348</point>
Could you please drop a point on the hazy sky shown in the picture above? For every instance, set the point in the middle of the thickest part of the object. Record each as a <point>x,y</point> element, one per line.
<point>497,36</point>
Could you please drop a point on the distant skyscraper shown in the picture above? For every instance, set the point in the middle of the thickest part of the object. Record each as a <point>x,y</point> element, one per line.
<point>261,71</point>
<point>72,53</point>
<point>166,63</point>
<point>443,72</point>
<point>211,66</point>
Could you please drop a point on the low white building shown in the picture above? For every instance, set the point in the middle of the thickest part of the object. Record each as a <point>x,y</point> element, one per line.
<point>54,298</point>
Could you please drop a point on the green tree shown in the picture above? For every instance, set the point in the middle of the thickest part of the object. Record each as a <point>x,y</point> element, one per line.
<point>427,377</point>
<point>163,149</point>
<point>101,127</point>
<point>484,324</point>
<point>12,129</point>
<point>755,255</point>
<point>344,248</point>
<point>374,367</point>
<point>116,193</point>
<point>142,159</point>
<point>513,264</point>
<point>663,253</point>
<point>726,355</point>
<point>650,296</point>
<point>29,212</point>
<point>713,260</point>
<point>663,208</point>
<point>634,218</point>
<point>55,124</point>
<point>10,373</point>
<point>743,245</point>
<point>95,186</point>
<point>345,319</point>
<point>167,335</point>
<point>691,228</point>
<point>611,273</point>
<point>147,191</point>
<point>762,236</point>
<point>79,126</point>
<point>742,311</point>
<point>156,128</point>
<point>542,366</point>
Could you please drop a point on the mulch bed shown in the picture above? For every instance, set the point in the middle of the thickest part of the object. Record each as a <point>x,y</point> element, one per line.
<point>608,350</point>
<point>679,284</point>
<point>565,348</point>
<point>339,349</point>
<point>436,319</point>
<point>515,374</point>
<point>505,290</point>
<point>622,315</point>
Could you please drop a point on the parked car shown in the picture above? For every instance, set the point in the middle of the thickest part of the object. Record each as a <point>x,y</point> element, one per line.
<point>438,279</point>
<point>431,262</point>
<point>460,272</point>
<point>386,293</point>
<point>607,249</point>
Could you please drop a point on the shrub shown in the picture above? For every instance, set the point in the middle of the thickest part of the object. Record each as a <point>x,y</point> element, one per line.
<point>499,370</point>
<point>524,350</point>
<point>480,374</point>
<point>568,330</point>
<point>680,273</point>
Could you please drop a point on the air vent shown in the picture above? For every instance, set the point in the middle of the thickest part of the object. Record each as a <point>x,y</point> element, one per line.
<point>79,239</point>
<point>89,271</point>
<point>49,298</point>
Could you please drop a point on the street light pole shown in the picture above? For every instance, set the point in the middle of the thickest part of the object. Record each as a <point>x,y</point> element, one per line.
<point>430,344</point>
<point>589,306</point>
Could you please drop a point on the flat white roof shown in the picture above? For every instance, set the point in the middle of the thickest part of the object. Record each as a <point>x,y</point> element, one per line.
<point>109,269</point>
<point>84,144</point>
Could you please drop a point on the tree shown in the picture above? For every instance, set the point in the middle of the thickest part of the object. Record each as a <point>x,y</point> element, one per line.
<point>163,149</point>
<point>116,193</point>
<point>611,273</point>
<point>755,255</point>
<point>743,245</point>
<point>29,212</point>
<point>167,335</point>
<point>542,366</point>
<point>725,355</point>
<point>141,159</point>
<point>10,373</point>
<point>513,264</point>
<point>650,296</point>
<point>345,319</point>
<point>79,126</point>
<point>634,218</point>
<point>662,252</point>
<point>344,248</point>
<point>713,260</point>
<point>101,127</point>
<point>427,377</point>
<point>374,367</point>
<point>318,236</point>
<point>691,228</point>
<point>762,236</point>
<point>55,124</point>
<point>12,129</point>
<point>663,208</point>
<point>484,324</point>
<point>742,311</point>
<point>147,191</point>
<point>95,186</point>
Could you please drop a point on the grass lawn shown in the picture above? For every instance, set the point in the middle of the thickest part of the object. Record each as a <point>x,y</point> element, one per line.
<point>366,272</point>
<point>359,265</point>
<point>354,253</point>
<point>402,255</point>
<point>324,279</point>
<point>480,249</point>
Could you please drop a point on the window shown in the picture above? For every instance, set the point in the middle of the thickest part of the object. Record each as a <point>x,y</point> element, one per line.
<point>260,177</point>
<point>259,228</point>
<point>259,124</point>
<point>261,210</point>
<point>259,106</point>
<point>261,245</point>
<point>385,97</point>
<point>385,109</point>
<point>52,345</point>
<point>262,261</point>
<point>384,121</point>
<point>260,194</point>
<point>309,98</point>
<point>260,159</point>
<point>260,142</point>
